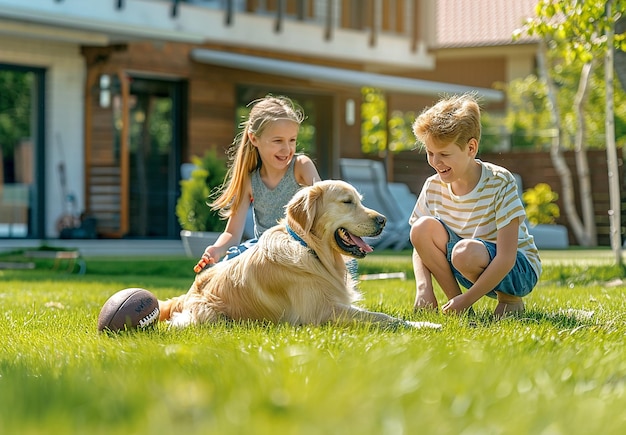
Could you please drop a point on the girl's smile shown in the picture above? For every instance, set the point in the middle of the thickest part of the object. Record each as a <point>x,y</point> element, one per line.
<point>276,146</point>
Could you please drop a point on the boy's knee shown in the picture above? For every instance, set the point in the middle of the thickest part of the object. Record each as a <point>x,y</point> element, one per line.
<point>422,228</point>
<point>421,223</point>
<point>469,255</point>
<point>469,248</point>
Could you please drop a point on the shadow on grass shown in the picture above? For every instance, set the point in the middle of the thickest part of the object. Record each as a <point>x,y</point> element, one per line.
<point>562,319</point>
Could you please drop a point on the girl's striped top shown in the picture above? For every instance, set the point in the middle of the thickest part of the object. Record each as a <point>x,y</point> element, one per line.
<point>493,204</point>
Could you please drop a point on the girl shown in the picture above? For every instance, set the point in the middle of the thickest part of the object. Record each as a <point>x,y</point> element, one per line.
<point>265,172</point>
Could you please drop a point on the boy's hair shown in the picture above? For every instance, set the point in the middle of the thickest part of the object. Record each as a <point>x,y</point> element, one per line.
<point>243,156</point>
<point>453,119</point>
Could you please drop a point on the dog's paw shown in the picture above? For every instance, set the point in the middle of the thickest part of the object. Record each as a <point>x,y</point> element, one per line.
<point>422,325</point>
<point>180,320</point>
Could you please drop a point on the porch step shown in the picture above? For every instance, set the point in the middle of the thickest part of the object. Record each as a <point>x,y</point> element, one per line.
<point>104,198</point>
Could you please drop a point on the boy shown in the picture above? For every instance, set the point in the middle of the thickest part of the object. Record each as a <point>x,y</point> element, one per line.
<point>468,225</point>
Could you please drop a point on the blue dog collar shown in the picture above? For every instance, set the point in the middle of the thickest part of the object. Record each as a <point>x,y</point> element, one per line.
<point>293,234</point>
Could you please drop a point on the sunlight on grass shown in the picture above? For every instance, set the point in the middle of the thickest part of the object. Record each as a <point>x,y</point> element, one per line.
<point>558,369</point>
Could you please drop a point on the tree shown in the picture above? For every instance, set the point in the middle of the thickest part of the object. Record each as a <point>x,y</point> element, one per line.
<point>614,191</point>
<point>575,32</point>
<point>528,118</point>
<point>373,121</point>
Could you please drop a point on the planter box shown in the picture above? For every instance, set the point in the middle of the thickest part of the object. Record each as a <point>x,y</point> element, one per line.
<point>195,242</point>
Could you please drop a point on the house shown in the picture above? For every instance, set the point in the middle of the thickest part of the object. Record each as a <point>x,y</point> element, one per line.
<point>120,93</point>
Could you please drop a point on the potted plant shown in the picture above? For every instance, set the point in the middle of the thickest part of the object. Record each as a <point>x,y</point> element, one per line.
<point>200,225</point>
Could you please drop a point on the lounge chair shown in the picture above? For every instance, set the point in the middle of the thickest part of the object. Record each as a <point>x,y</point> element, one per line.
<point>369,178</point>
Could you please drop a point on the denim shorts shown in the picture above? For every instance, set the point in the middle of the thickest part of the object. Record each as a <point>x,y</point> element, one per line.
<point>234,251</point>
<point>520,280</point>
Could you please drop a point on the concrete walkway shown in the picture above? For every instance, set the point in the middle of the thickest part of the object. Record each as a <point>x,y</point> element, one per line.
<point>101,247</point>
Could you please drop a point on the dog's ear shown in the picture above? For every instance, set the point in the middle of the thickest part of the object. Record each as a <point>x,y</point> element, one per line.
<point>302,209</point>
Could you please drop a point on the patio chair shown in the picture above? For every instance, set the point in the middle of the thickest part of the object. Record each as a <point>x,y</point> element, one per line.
<point>403,196</point>
<point>368,177</point>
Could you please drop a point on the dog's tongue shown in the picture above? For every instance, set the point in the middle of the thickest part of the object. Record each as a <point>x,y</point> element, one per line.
<point>360,243</point>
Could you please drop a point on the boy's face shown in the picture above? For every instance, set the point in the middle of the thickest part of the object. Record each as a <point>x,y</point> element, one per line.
<point>450,161</point>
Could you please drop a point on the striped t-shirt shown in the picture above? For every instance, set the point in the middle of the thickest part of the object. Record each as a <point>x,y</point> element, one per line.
<point>490,206</point>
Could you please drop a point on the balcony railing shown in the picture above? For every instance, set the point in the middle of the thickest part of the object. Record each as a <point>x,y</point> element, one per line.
<point>388,16</point>
<point>377,32</point>
<point>393,17</point>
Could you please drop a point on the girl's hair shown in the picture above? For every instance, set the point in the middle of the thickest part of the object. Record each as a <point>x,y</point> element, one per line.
<point>452,120</point>
<point>243,156</point>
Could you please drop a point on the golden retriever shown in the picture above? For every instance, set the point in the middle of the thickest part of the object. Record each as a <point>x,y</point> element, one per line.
<point>296,273</point>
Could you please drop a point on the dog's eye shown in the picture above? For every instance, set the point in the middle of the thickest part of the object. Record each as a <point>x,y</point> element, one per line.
<point>348,201</point>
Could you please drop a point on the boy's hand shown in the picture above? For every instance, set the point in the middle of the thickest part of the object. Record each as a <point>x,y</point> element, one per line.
<point>456,305</point>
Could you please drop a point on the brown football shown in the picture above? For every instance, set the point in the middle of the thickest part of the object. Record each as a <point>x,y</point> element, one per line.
<point>131,308</point>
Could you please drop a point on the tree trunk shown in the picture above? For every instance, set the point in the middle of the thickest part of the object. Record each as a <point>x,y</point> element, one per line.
<point>556,152</point>
<point>615,216</point>
<point>620,56</point>
<point>582,163</point>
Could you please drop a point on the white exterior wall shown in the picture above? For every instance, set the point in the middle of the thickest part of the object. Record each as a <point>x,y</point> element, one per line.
<point>65,81</point>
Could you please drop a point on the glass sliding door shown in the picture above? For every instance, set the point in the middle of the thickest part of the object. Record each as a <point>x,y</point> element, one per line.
<point>155,116</point>
<point>135,134</point>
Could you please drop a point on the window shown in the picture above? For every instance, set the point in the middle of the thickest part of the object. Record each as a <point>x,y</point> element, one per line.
<point>20,133</point>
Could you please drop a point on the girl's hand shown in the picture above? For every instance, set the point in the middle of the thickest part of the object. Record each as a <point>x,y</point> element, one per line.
<point>206,260</point>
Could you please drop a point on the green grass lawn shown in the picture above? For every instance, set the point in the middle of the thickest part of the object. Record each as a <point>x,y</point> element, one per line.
<point>559,369</point>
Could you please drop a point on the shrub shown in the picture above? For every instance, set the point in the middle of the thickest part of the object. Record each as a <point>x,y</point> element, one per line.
<point>192,209</point>
<point>540,206</point>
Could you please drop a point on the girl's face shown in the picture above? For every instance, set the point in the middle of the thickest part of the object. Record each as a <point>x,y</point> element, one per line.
<point>277,143</point>
<point>451,162</point>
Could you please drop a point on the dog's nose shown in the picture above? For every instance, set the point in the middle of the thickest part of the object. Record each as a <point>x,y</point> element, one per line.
<point>381,220</point>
